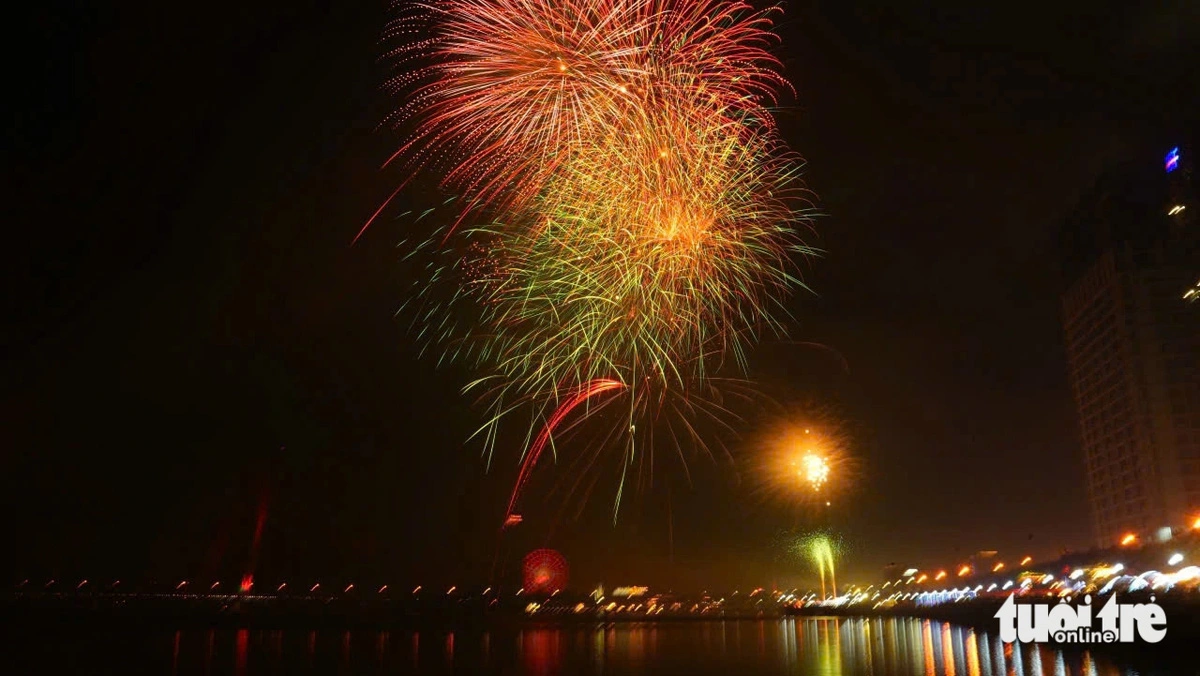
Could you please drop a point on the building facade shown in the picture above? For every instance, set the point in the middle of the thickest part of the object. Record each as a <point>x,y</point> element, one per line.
<point>1133,349</point>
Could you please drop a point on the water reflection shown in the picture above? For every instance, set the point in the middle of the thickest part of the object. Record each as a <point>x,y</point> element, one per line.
<point>210,642</point>
<point>540,650</point>
<point>799,646</point>
<point>241,652</point>
<point>381,646</point>
<point>973,656</point>
<point>416,649</point>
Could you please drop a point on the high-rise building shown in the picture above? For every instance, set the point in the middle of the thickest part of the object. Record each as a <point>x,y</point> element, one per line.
<point>1133,346</point>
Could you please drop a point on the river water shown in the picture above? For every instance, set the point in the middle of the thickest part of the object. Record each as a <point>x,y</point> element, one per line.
<point>797,646</point>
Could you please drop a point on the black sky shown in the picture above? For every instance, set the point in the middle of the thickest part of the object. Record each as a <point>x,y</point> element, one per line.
<point>188,330</point>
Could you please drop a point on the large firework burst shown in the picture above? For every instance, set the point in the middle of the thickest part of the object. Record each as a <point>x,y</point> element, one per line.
<point>640,211</point>
<point>652,256</point>
<point>500,91</point>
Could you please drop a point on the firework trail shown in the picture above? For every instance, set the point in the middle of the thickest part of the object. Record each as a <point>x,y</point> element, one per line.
<point>592,389</point>
<point>639,213</point>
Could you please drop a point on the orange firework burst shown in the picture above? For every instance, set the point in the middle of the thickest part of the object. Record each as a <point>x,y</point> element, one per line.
<point>504,89</point>
<point>805,458</point>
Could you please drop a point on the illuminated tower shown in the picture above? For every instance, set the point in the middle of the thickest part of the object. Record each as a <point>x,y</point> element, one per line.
<point>1133,346</point>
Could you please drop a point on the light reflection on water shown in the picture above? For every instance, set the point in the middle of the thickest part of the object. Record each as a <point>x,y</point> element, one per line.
<point>804,646</point>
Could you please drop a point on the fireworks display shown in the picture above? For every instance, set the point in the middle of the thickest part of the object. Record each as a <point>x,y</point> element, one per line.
<point>632,217</point>
<point>822,551</point>
<point>815,470</point>
<point>501,91</point>
<point>804,459</point>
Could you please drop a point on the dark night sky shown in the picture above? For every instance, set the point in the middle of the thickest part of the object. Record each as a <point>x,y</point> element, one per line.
<point>188,330</point>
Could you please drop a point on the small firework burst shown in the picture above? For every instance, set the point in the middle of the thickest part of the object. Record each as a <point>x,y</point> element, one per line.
<point>822,550</point>
<point>804,459</point>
